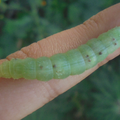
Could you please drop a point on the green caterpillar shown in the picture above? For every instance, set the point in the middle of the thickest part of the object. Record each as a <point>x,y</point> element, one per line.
<point>60,66</point>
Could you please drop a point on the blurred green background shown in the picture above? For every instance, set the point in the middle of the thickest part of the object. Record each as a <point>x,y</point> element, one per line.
<point>23,22</point>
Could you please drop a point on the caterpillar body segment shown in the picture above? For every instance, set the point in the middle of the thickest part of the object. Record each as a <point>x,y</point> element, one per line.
<point>62,65</point>
<point>88,56</point>
<point>76,61</point>
<point>44,69</point>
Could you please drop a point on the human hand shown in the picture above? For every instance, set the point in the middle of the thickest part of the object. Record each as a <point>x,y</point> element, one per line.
<point>19,98</point>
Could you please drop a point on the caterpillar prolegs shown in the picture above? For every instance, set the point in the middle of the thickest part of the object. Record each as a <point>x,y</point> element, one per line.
<point>60,66</point>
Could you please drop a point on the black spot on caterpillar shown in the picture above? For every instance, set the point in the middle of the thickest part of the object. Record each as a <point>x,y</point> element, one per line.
<point>60,66</point>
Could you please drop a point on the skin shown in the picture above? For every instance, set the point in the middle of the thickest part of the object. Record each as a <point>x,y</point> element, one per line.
<point>18,98</point>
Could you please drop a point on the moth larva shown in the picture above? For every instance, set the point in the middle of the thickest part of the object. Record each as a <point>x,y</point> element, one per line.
<point>60,66</point>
